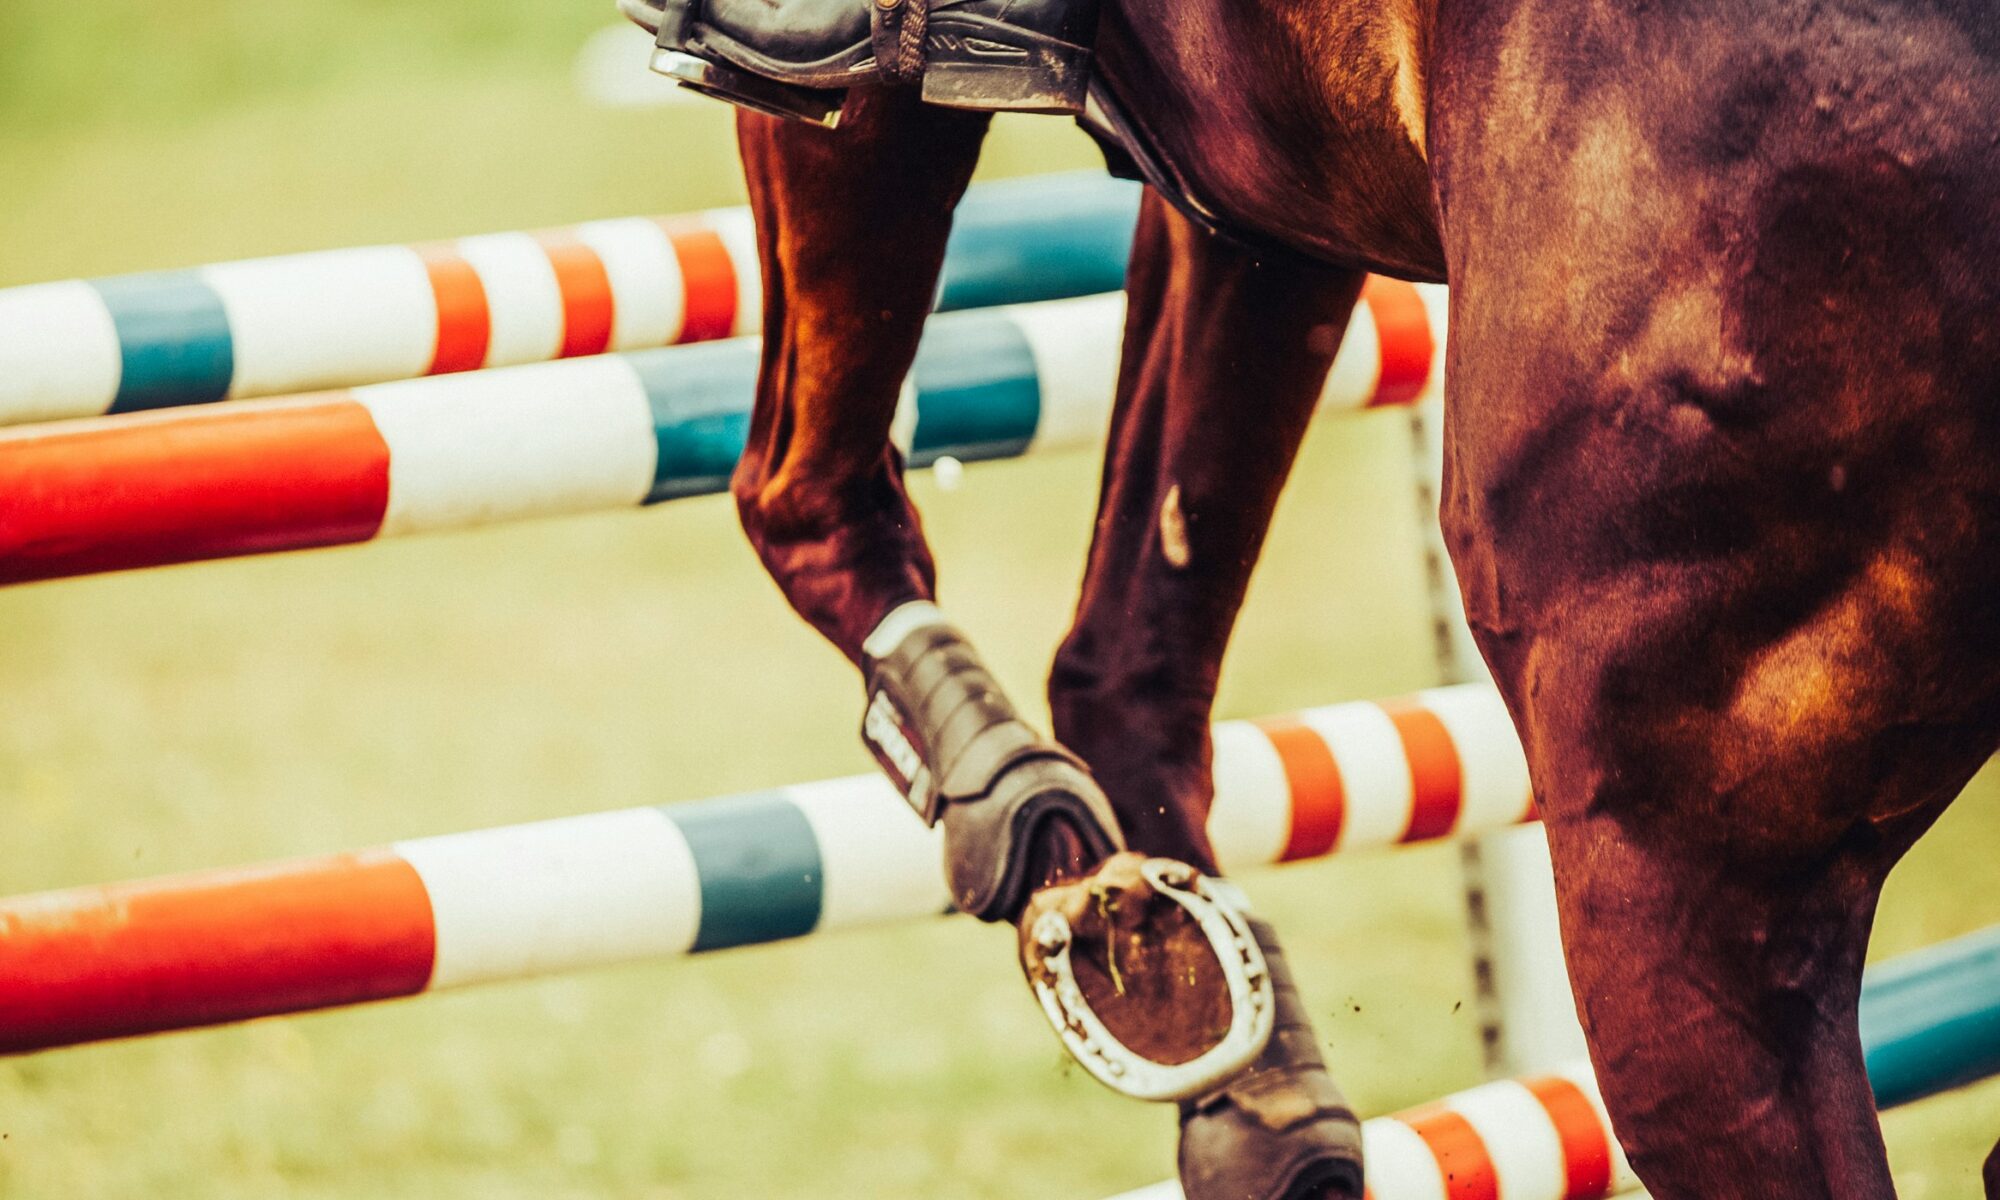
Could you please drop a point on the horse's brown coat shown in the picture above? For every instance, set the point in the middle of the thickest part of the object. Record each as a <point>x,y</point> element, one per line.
<point>1722,482</point>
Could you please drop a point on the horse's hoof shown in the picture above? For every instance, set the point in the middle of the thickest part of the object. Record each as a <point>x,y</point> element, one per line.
<point>1281,1130</point>
<point>1151,976</point>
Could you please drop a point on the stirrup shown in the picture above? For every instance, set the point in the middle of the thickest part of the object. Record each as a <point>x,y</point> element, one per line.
<point>747,89</point>
<point>1218,911</point>
<point>979,63</point>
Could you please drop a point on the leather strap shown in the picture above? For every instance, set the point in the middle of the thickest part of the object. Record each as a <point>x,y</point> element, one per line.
<point>897,35</point>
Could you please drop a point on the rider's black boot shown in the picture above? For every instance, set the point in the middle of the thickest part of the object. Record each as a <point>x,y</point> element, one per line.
<point>795,58</point>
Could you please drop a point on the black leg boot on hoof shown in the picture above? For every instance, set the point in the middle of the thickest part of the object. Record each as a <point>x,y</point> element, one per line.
<point>950,740</point>
<point>795,58</point>
<point>1280,1130</point>
<point>1201,1008</point>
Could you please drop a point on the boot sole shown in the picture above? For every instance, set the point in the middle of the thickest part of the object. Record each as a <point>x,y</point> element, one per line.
<point>747,89</point>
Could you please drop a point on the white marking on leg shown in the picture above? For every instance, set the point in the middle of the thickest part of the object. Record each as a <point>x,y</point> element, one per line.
<point>1173,530</point>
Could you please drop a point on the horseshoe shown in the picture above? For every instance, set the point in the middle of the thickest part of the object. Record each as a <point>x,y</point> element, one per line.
<point>1218,909</point>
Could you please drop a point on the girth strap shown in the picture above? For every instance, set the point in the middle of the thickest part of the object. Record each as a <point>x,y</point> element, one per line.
<point>1132,152</point>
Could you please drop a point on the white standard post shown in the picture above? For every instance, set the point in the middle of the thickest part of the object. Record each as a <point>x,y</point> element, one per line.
<point>1527,1012</point>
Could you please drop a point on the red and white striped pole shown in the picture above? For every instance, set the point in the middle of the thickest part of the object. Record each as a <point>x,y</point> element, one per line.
<point>1541,1137</point>
<point>524,900</point>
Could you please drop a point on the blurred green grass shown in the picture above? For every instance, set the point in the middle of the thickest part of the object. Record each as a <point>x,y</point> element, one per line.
<point>223,713</point>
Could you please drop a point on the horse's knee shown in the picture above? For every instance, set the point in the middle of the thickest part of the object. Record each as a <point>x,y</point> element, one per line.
<point>784,506</point>
<point>781,510</point>
<point>844,548</point>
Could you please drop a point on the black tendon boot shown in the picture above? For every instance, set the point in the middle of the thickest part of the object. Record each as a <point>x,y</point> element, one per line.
<point>1280,1130</point>
<point>1021,813</point>
<point>948,737</point>
<point>795,58</point>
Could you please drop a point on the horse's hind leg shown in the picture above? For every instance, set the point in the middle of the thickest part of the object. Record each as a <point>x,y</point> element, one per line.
<point>1224,361</point>
<point>1717,875</point>
<point>1743,696</point>
<point>1730,752</point>
<point>1992,1173</point>
<point>1722,496</point>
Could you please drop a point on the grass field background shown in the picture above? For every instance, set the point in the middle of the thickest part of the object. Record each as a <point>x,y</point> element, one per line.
<point>223,713</point>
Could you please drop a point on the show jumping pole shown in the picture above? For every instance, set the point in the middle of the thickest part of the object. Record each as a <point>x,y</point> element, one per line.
<point>606,432</point>
<point>1930,1022</point>
<point>1541,1137</point>
<point>341,318</point>
<point>524,900</point>
<point>376,457</point>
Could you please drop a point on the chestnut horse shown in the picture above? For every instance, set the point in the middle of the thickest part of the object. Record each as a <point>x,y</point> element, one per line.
<point>1722,468</point>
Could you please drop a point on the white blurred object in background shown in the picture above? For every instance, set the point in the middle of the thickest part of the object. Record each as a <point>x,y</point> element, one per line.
<point>612,69</point>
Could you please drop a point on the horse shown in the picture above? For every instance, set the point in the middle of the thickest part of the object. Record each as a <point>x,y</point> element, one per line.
<point>1723,387</point>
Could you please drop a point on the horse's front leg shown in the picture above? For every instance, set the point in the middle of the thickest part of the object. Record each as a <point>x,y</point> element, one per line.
<point>852,230</point>
<point>1225,359</point>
